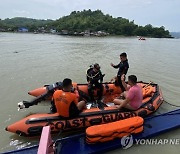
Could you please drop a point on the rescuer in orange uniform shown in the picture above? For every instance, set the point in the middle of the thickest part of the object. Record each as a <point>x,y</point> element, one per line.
<point>66,101</point>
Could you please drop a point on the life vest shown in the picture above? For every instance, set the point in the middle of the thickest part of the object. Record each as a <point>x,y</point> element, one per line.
<point>148,91</point>
<point>90,77</point>
<point>63,101</point>
<point>110,131</point>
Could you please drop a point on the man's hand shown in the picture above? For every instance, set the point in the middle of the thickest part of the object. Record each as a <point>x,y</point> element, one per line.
<point>113,79</point>
<point>123,77</point>
<point>112,64</point>
<point>118,106</point>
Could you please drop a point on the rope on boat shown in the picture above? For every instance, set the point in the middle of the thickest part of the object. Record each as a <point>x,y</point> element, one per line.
<point>55,140</point>
<point>171,104</point>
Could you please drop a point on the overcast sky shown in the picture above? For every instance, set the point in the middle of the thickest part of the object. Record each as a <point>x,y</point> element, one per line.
<point>156,12</point>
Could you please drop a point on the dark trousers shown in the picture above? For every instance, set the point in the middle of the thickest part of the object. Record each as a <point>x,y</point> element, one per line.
<point>119,82</point>
<point>53,107</point>
<point>91,88</point>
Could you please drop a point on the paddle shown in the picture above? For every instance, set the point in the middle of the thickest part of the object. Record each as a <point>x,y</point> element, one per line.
<point>50,90</point>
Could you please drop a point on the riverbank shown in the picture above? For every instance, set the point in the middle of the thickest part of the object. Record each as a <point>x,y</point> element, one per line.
<point>80,35</point>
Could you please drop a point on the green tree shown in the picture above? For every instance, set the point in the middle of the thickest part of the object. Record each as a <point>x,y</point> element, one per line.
<point>79,21</point>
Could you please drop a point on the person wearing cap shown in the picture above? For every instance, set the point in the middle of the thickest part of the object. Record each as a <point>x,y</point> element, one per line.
<point>66,101</point>
<point>123,67</point>
<point>95,79</point>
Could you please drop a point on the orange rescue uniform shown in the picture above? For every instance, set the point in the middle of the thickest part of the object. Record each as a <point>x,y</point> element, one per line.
<point>66,103</point>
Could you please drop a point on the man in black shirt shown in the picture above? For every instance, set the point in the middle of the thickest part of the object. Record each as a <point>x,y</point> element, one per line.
<point>94,75</point>
<point>123,68</point>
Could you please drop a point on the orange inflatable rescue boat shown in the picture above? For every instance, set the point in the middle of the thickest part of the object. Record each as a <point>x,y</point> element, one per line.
<point>101,113</point>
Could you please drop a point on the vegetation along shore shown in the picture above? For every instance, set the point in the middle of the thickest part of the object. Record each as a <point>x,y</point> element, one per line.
<point>83,23</point>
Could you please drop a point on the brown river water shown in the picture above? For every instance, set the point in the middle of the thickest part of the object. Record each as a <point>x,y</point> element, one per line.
<point>28,61</point>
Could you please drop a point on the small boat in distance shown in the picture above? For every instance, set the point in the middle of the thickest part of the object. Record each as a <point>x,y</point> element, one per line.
<point>142,38</point>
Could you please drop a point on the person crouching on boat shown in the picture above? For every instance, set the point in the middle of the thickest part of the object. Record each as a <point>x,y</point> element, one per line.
<point>132,96</point>
<point>66,101</point>
<point>94,75</point>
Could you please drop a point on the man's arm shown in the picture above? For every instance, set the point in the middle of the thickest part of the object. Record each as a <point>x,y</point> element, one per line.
<point>76,98</point>
<point>97,77</point>
<point>115,66</point>
<point>101,79</point>
<point>123,82</point>
<point>126,101</point>
<point>53,106</point>
<point>125,68</point>
<point>87,77</point>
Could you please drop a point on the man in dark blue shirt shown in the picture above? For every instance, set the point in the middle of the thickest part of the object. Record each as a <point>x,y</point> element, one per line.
<point>123,68</point>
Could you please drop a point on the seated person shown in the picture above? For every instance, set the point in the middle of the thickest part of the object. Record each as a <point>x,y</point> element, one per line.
<point>93,76</point>
<point>133,97</point>
<point>66,102</point>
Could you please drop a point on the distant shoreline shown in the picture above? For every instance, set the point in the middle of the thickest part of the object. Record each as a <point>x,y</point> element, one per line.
<point>84,23</point>
<point>122,36</point>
